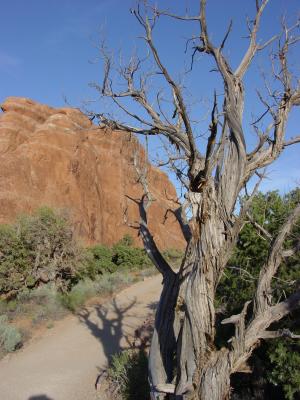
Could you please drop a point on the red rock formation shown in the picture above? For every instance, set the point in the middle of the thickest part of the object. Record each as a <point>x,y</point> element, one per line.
<point>57,157</point>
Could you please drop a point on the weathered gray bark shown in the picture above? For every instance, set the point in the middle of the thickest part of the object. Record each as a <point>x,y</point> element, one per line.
<point>185,331</point>
<point>185,321</point>
<point>185,327</point>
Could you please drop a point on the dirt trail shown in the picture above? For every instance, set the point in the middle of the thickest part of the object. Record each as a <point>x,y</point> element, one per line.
<point>65,362</point>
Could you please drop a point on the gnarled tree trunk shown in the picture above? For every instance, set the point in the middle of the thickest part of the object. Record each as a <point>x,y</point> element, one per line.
<point>185,321</point>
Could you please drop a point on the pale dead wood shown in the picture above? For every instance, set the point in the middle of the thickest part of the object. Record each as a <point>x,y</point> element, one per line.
<point>150,246</point>
<point>261,229</point>
<point>253,45</point>
<point>294,140</point>
<point>263,297</point>
<point>280,333</point>
<point>258,326</point>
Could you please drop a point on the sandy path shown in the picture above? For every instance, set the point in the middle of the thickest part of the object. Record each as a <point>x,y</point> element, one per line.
<point>64,363</point>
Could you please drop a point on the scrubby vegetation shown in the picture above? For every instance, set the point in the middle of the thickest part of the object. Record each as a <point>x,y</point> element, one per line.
<point>127,375</point>
<point>45,272</point>
<point>123,256</point>
<point>128,368</point>
<point>41,249</point>
<point>10,337</point>
<point>276,364</point>
<point>38,249</point>
<point>103,284</point>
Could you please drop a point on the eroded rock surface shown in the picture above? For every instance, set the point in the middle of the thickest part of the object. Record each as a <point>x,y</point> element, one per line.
<point>58,158</point>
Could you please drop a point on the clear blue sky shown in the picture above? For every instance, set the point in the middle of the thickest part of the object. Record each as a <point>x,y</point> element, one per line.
<point>47,51</point>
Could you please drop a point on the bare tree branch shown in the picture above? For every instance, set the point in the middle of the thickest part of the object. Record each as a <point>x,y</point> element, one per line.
<point>180,214</point>
<point>293,140</point>
<point>226,35</point>
<point>175,88</point>
<point>289,98</point>
<point>202,176</point>
<point>260,228</point>
<point>253,46</point>
<point>280,333</point>
<point>149,243</point>
<point>179,17</point>
<point>258,326</point>
<point>263,295</point>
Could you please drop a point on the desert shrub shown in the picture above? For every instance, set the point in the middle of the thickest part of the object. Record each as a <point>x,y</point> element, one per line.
<point>123,255</point>
<point>127,256</point>
<point>10,337</point>
<point>99,261</point>
<point>127,240</point>
<point>49,237</point>
<point>128,374</point>
<point>173,254</point>
<point>43,303</point>
<point>38,304</point>
<point>41,248</point>
<point>269,210</point>
<point>285,360</point>
<point>147,272</point>
<point>37,249</point>
<point>107,283</point>
<point>87,288</point>
<point>15,261</point>
<point>124,278</point>
<point>174,257</point>
<point>273,359</point>
<point>110,282</point>
<point>78,295</point>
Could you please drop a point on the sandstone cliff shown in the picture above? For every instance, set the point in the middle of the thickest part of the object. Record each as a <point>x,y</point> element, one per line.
<point>57,157</point>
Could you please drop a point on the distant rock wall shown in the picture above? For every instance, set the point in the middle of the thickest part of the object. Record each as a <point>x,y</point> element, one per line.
<point>57,157</point>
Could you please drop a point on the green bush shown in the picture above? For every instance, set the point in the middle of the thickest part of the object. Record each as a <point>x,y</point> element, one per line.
<point>15,261</point>
<point>87,288</point>
<point>38,304</point>
<point>126,240</point>
<point>173,254</point>
<point>277,358</point>
<point>43,303</point>
<point>174,257</point>
<point>285,360</point>
<point>99,261</point>
<point>78,295</point>
<point>239,280</point>
<point>128,374</point>
<point>127,256</point>
<point>37,249</point>
<point>40,248</point>
<point>10,337</point>
<point>49,237</point>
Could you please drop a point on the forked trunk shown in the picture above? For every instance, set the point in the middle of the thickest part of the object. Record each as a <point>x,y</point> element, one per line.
<point>183,358</point>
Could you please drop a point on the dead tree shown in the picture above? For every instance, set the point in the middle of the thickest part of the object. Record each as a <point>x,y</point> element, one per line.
<point>184,360</point>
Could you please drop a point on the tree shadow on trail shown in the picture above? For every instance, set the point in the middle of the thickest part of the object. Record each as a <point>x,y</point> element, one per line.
<point>40,397</point>
<point>106,323</point>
